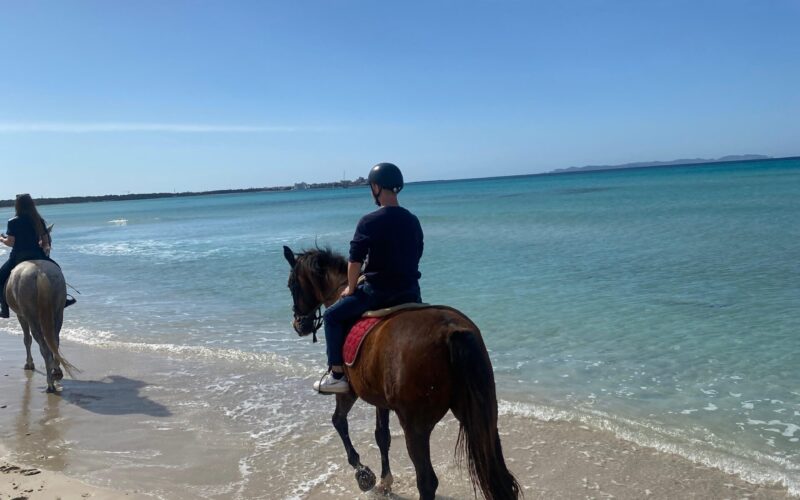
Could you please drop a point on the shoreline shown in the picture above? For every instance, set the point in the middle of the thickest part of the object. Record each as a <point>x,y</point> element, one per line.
<point>29,483</point>
<point>131,423</point>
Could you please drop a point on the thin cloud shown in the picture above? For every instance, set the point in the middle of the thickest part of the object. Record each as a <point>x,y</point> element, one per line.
<point>182,128</point>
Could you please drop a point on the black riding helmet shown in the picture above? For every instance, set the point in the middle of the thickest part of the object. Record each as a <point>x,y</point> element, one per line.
<point>386,176</point>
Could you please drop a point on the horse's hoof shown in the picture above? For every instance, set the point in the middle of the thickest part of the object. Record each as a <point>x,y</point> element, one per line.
<point>29,366</point>
<point>51,390</point>
<point>385,486</point>
<point>365,478</point>
<point>58,374</point>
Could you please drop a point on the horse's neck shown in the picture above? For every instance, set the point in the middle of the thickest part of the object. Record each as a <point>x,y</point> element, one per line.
<point>333,288</point>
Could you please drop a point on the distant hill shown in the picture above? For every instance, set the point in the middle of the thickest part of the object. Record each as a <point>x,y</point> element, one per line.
<point>643,164</point>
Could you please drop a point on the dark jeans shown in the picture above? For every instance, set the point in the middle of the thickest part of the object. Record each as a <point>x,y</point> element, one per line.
<point>13,260</point>
<point>340,316</point>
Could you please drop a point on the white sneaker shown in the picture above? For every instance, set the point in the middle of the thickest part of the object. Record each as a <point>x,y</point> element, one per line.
<point>330,385</point>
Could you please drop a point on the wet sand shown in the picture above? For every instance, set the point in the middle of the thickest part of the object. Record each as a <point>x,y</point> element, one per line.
<point>23,483</point>
<point>174,427</point>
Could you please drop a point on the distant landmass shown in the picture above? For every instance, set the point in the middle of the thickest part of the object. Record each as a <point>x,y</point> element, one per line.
<point>363,182</point>
<point>149,196</point>
<point>643,164</point>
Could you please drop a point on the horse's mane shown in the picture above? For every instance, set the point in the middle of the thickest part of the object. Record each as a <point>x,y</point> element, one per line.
<point>318,261</point>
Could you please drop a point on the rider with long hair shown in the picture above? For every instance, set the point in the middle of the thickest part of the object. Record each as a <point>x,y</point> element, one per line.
<point>388,245</point>
<point>29,239</point>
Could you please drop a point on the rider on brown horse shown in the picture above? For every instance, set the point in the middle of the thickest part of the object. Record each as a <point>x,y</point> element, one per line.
<point>29,239</point>
<point>389,240</point>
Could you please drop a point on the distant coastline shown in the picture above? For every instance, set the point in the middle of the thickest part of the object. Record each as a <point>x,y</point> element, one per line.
<point>614,168</point>
<point>671,163</point>
<point>300,186</point>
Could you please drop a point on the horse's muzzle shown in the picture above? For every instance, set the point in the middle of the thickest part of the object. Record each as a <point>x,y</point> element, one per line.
<point>303,326</point>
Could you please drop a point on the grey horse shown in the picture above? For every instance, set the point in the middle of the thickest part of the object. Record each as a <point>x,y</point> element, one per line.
<point>36,292</point>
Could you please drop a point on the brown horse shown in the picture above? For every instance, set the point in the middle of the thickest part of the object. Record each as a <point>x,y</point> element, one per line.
<point>420,364</point>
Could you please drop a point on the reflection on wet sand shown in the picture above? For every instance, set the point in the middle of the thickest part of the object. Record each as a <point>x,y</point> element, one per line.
<point>40,431</point>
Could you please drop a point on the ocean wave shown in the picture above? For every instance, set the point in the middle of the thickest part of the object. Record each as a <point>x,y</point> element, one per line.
<point>151,249</point>
<point>752,466</point>
<point>103,339</point>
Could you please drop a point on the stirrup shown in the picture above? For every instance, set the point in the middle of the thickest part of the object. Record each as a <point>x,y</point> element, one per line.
<point>70,300</point>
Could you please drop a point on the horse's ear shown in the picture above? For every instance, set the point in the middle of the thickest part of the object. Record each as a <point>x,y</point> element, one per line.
<point>50,228</point>
<point>287,252</point>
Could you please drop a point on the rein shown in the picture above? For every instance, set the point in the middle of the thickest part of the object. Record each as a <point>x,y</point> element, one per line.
<point>317,322</point>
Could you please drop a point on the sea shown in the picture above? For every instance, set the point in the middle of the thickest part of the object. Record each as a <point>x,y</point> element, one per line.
<point>660,304</point>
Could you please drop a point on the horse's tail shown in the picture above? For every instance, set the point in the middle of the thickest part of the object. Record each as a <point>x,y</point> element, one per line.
<point>475,405</point>
<point>47,321</point>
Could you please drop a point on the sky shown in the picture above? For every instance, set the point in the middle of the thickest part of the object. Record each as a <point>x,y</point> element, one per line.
<point>100,97</point>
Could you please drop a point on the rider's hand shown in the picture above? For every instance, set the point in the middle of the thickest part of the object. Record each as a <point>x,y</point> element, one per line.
<point>347,292</point>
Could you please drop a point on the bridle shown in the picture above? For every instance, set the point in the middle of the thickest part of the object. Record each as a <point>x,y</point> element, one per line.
<point>311,319</point>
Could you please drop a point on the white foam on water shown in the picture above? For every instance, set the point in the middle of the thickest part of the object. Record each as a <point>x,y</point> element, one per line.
<point>306,486</point>
<point>752,466</point>
<point>103,339</point>
<point>788,432</point>
<point>151,249</point>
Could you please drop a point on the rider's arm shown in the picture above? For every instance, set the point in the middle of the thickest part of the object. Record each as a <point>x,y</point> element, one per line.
<point>45,243</point>
<point>359,248</point>
<point>10,235</point>
<point>353,272</point>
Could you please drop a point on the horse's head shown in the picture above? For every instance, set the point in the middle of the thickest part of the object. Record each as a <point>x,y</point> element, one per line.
<point>313,281</point>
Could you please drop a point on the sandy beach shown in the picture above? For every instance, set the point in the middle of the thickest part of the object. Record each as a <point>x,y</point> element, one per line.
<point>21,483</point>
<point>130,428</point>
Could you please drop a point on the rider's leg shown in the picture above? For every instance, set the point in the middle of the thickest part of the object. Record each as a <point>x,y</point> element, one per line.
<point>5,272</point>
<point>336,316</point>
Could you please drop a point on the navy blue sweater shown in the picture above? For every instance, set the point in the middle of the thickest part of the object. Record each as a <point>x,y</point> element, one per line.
<point>390,240</point>
<point>25,238</point>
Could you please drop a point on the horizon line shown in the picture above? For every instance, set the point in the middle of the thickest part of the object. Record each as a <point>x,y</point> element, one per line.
<point>111,127</point>
<point>276,188</point>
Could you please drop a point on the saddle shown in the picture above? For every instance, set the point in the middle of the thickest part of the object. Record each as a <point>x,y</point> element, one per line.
<point>366,323</point>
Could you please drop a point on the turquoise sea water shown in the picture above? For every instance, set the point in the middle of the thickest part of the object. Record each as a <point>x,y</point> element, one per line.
<point>659,303</point>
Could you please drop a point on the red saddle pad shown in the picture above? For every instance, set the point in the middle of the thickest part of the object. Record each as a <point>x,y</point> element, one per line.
<point>355,337</point>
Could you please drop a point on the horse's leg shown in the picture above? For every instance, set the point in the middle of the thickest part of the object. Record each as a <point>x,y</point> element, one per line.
<point>57,373</point>
<point>418,442</point>
<point>26,337</point>
<point>344,403</point>
<point>384,439</point>
<point>49,361</point>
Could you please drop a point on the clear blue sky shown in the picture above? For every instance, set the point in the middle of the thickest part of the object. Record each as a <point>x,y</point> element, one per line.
<point>114,97</point>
